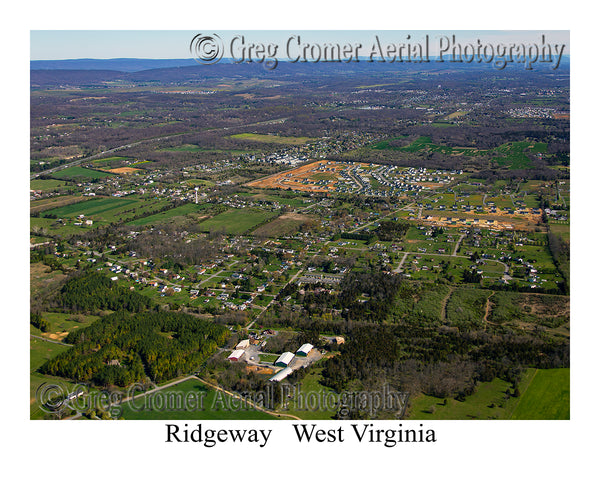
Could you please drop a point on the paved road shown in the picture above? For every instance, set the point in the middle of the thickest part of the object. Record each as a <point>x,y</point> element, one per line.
<point>458,245</point>
<point>51,341</point>
<point>273,299</point>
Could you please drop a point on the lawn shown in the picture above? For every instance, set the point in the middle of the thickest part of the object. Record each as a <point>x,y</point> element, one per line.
<point>268,357</point>
<point>236,221</point>
<point>547,397</point>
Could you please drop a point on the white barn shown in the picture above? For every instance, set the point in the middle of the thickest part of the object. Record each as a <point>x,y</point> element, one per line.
<point>284,359</point>
<point>304,350</point>
<point>281,375</point>
<point>236,355</point>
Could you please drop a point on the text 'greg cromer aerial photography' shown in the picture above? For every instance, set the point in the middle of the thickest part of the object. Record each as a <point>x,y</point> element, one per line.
<point>302,226</point>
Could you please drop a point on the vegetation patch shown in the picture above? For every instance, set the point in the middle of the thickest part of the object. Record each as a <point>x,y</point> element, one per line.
<point>121,348</point>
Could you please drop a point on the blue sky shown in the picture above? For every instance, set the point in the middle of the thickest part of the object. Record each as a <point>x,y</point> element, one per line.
<point>68,44</point>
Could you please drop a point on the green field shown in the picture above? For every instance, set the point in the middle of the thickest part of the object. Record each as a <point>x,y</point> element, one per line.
<point>106,162</point>
<point>190,400</point>
<point>168,215</point>
<point>80,174</point>
<point>488,402</point>
<point>236,221</point>
<point>109,209</point>
<point>544,395</point>
<point>256,137</point>
<point>268,357</point>
<point>563,230</point>
<point>547,396</point>
<point>46,185</point>
<point>96,206</point>
<point>64,322</point>
<point>300,403</point>
<point>39,352</point>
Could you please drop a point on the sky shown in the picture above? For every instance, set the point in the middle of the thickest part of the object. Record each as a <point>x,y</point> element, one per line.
<point>162,44</point>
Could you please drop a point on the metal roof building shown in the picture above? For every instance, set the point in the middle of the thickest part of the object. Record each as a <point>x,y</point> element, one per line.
<point>304,350</point>
<point>243,344</point>
<point>284,359</point>
<point>236,355</point>
<point>281,375</point>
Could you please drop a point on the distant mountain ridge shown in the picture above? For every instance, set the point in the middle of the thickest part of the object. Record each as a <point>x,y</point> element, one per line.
<point>132,65</point>
<point>127,65</point>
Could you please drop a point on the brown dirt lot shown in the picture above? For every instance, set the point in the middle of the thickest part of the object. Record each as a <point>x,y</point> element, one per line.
<point>123,170</point>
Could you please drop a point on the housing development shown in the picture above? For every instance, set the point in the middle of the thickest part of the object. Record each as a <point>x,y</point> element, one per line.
<point>299,240</point>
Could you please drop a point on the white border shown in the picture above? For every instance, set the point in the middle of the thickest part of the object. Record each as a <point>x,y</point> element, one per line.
<point>465,449</point>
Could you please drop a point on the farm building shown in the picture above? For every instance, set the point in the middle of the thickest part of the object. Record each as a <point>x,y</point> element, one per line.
<point>236,355</point>
<point>243,344</point>
<point>281,375</point>
<point>304,350</point>
<point>284,359</point>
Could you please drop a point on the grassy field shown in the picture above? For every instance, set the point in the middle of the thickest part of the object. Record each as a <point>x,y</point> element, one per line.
<point>79,173</point>
<point>54,202</point>
<point>111,209</point>
<point>544,396</point>
<point>256,137</point>
<point>63,323</point>
<point>107,162</point>
<point>301,403</point>
<point>236,221</point>
<point>190,400</point>
<point>168,215</point>
<point>286,224</point>
<point>488,402</point>
<point>547,396</point>
<point>268,357</point>
<point>96,206</point>
<point>46,185</point>
<point>39,352</point>
<point>562,230</point>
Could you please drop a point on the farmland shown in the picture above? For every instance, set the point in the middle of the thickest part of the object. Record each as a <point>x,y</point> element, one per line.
<point>236,221</point>
<point>169,215</point>
<point>79,174</point>
<point>415,232</point>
